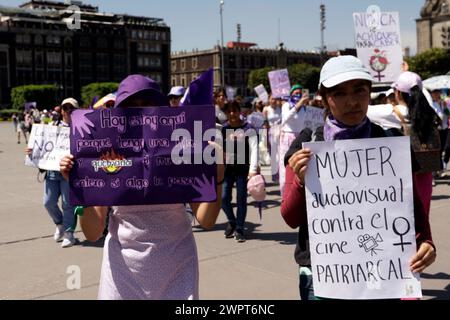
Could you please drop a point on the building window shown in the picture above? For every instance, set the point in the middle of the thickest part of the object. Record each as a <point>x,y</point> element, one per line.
<point>174,66</point>
<point>23,58</point>
<point>102,43</point>
<point>183,65</point>
<point>53,40</point>
<point>38,40</point>
<point>257,62</point>
<point>53,59</point>
<point>194,63</point>
<point>140,61</point>
<point>23,38</point>
<point>247,62</point>
<point>155,62</point>
<point>85,42</point>
<point>174,81</point>
<point>68,60</point>
<point>134,34</point>
<point>39,59</point>
<point>119,44</point>
<point>163,36</point>
<point>68,43</point>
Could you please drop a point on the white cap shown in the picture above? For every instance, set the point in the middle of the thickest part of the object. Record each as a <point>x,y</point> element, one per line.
<point>341,69</point>
<point>70,101</point>
<point>176,91</point>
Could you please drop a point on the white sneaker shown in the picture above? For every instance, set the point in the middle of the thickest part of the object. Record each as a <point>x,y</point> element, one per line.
<point>69,240</point>
<point>59,233</point>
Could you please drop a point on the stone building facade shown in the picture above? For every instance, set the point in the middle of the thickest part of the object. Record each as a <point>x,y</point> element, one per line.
<point>433,27</point>
<point>38,47</point>
<point>239,59</point>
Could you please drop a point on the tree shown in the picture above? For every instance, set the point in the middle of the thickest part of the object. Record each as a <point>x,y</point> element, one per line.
<point>259,76</point>
<point>98,89</point>
<point>305,74</point>
<point>433,62</point>
<point>44,96</point>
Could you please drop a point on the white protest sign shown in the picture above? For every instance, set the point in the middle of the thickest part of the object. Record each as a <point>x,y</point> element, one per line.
<point>360,219</point>
<point>313,118</point>
<point>280,83</point>
<point>50,144</point>
<point>262,93</point>
<point>378,43</point>
<point>230,92</point>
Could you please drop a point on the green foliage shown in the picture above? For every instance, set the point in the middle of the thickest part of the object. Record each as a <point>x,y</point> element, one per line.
<point>433,62</point>
<point>98,89</point>
<point>306,75</point>
<point>257,77</point>
<point>6,114</point>
<point>44,95</point>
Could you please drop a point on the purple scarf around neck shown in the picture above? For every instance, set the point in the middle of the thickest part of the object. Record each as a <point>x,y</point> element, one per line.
<point>336,130</point>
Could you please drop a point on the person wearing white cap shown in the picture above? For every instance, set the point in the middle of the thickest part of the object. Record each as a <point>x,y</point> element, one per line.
<point>421,124</point>
<point>175,95</point>
<point>56,186</point>
<point>345,86</point>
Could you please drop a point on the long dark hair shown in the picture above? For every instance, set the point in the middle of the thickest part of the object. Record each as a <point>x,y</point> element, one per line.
<point>422,116</point>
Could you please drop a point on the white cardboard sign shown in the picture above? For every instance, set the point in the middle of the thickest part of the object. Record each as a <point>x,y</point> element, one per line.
<point>378,44</point>
<point>50,144</point>
<point>360,219</point>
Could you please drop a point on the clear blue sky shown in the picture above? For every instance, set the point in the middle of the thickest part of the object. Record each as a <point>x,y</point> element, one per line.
<point>196,23</point>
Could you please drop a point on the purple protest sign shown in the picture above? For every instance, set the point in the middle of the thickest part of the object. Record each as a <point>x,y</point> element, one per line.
<point>127,156</point>
<point>279,83</point>
<point>30,105</point>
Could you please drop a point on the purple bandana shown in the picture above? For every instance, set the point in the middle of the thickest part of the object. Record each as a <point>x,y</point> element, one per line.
<point>336,130</point>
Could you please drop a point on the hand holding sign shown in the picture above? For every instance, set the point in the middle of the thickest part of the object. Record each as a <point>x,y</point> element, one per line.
<point>299,163</point>
<point>66,164</point>
<point>423,258</point>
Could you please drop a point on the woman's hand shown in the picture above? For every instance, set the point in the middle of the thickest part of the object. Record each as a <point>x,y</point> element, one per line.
<point>298,162</point>
<point>65,165</point>
<point>424,256</point>
<point>28,151</point>
<point>303,102</point>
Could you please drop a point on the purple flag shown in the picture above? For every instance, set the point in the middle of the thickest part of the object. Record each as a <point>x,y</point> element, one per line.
<point>200,91</point>
<point>30,105</point>
<point>124,156</point>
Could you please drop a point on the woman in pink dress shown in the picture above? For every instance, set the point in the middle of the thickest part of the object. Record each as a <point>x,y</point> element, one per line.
<point>150,250</point>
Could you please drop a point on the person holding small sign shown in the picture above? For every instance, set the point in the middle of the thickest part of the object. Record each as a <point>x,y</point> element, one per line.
<point>150,251</point>
<point>345,86</point>
<point>292,115</point>
<point>56,186</point>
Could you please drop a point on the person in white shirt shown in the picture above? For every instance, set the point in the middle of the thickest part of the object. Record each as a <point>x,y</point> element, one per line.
<point>292,123</point>
<point>220,99</point>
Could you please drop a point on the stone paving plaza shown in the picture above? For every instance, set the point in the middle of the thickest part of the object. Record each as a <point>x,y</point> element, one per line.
<point>33,266</point>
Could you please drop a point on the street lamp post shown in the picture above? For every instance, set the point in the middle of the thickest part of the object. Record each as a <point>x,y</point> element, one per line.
<point>222,63</point>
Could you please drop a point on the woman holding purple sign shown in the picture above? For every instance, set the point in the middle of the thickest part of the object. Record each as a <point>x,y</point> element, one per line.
<point>345,86</point>
<point>150,251</point>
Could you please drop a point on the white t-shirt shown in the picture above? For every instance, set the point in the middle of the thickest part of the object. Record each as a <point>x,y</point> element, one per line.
<point>384,115</point>
<point>220,115</point>
<point>292,120</point>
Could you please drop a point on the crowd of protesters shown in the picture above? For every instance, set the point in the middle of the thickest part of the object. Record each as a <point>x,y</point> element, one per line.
<point>271,134</point>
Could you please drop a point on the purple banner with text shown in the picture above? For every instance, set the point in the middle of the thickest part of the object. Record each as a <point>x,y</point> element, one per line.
<point>137,156</point>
